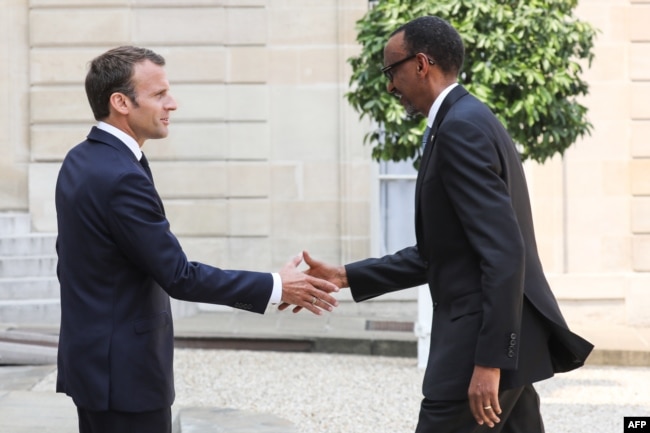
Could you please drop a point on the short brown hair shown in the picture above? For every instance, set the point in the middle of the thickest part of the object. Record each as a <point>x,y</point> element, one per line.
<point>112,72</point>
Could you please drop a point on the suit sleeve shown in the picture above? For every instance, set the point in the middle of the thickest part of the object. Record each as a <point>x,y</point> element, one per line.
<point>372,277</point>
<point>142,232</point>
<point>473,176</point>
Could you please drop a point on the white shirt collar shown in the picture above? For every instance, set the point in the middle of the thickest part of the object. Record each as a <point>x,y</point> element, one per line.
<point>123,137</point>
<point>437,103</point>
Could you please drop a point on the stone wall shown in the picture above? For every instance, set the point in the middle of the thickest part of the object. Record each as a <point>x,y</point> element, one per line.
<point>265,157</point>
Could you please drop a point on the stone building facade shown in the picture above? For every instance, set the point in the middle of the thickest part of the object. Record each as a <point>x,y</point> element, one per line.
<point>265,157</point>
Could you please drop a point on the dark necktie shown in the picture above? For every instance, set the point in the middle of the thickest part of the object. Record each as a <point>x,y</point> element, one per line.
<point>425,137</point>
<point>145,165</point>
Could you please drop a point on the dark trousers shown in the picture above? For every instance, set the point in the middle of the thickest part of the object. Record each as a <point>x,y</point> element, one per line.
<point>520,414</point>
<point>158,421</point>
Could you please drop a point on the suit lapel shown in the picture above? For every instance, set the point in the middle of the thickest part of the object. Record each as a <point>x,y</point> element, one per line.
<point>104,137</point>
<point>453,97</point>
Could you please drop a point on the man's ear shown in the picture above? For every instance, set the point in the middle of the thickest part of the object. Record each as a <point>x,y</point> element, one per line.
<point>120,103</point>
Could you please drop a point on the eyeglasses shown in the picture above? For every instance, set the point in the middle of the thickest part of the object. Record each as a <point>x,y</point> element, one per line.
<point>387,70</point>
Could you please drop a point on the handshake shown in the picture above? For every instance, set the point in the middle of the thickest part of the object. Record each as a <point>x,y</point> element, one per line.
<point>311,289</point>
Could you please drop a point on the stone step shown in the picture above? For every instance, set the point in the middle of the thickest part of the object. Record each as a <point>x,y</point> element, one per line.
<point>27,348</point>
<point>29,288</point>
<point>13,223</point>
<point>28,244</point>
<point>24,311</point>
<point>26,266</point>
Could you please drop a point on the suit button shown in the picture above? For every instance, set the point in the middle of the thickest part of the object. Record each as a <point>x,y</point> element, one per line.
<point>513,336</point>
<point>511,353</point>
<point>512,343</point>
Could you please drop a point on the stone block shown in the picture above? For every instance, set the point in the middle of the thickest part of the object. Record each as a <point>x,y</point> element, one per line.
<point>177,3</point>
<point>182,26</point>
<point>598,216</point>
<point>199,102</point>
<point>249,217</point>
<point>639,96</point>
<point>640,138</point>
<point>210,250</point>
<point>320,65</point>
<point>195,64</point>
<point>53,65</point>
<point>604,143</point>
<point>245,2</point>
<point>637,301</point>
<point>286,181</point>
<point>247,102</point>
<point>606,66</point>
<point>583,252</point>
<point>305,122</point>
<point>248,179</point>
<point>638,16</point>
<point>56,412</point>
<point>608,17</point>
<point>52,142</point>
<point>59,105</point>
<point>96,26</point>
<point>79,3</point>
<point>303,24</point>
<point>248,64</point>
<point>641,253</point>
<point>42,183</point>
<point>250,253</point>
<point>605,98</point>
<point>185,179</point>
<point>591,286</point>
<point>321,179</point>
<point>190,142</point>
<point>246,26</point>
<point>616,178</point>
<point>640,176</point>
<point>248,140</point>
<point>639,60</point>
<point>348,14</point>
<point>197,217</point>
<point>14,186</point>
<point>284,66</point>
<point>306,219</point>
<point>641,215</point>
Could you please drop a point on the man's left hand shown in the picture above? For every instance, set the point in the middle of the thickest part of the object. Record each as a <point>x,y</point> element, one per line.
<point>483,395</point>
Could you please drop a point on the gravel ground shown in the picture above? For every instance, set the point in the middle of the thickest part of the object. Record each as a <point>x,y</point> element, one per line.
<point>323,393</point>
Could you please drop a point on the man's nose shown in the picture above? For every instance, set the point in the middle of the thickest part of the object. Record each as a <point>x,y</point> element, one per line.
<point>390,88</point>
<point>171,104</point>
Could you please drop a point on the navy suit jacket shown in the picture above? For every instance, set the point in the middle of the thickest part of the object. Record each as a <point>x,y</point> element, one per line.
<point>476,250</point>
<point>118,263</point>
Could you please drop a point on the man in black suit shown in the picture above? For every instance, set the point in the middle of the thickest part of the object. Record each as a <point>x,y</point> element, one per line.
<point>497,327</point>
<point>119,261</point>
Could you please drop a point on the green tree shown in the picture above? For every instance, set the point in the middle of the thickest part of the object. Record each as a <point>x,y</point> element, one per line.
<point>523,58</point>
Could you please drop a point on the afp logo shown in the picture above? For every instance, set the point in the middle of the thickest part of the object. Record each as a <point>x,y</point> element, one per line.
<point>639,424</point>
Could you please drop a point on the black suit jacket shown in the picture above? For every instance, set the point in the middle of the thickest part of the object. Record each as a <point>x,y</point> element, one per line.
<point>118,264</point>
<point>476,249</point>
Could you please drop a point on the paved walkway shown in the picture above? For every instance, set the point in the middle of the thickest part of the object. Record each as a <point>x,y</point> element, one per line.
<point>24,411</point>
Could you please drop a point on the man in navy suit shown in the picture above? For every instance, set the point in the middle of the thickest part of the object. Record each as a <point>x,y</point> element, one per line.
<point>497,327</point>
<point>119,262</point>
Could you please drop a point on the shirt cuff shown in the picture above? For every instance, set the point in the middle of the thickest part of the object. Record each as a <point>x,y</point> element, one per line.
<point>276,295</point>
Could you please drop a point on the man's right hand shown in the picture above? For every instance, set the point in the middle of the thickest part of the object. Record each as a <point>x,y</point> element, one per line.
<point>305,291</point>
<point>322,272</point>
